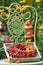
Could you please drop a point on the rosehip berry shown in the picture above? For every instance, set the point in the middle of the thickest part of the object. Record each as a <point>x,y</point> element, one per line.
<point>7,39</point>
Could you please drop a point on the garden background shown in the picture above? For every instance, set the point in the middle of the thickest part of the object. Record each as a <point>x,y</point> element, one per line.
<point>38,4</point>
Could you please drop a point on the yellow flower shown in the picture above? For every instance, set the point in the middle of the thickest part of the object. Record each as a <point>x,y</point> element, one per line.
<point>22,14</point>
<point>7,14</point>
<point>27,20</point>
<point>1,10</point>
<point>29,48</point>
<point>6,60</point>
<point>7,7</point>
<point>17,6</point>
<point>29,40</point>
<point>6,22</point>
<point>10,57</point>
<point>41,27</point>
<point>23,6</point>
<point>22,1</point>
<point>37,1</point>
<point>17,61</point>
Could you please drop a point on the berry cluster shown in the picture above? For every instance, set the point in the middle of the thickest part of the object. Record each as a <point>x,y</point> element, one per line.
<point>21,50</point>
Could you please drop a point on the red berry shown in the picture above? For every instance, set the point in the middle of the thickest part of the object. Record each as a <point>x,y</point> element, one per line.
<point>7,39</point>
<point>18,50</point>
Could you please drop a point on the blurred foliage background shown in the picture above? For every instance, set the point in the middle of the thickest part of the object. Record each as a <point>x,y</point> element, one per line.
<point>38,4</point>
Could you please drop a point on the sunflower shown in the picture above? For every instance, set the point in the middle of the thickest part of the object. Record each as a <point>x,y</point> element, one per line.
<point>6,60</point>
<point>27,20</point>
<point>1,10</point>
<point>41,27</point>
<point>29,48</point>
<point>7,7</point>
<point>37,1</point>
<point>24,7</point>
<point>7,14</point>
<point>22,1</point>
<point>29,40</point>
<point>17,6</point>
<point>17,61</point>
